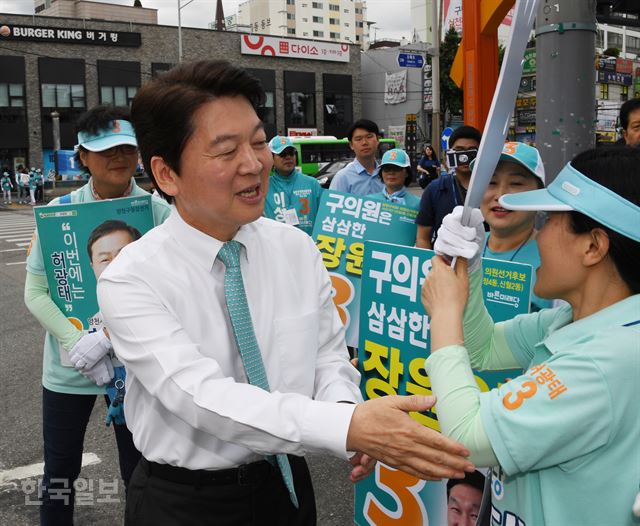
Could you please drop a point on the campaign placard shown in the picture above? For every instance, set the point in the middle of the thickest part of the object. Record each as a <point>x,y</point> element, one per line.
<point>394,343</point>
<point>344,222</point>
<point>78,241</point>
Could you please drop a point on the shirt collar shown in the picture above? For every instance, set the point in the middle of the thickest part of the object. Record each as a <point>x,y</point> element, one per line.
<point>395,195</point>
<point>97,197</point>
<point>203,248</point>
<point>361,170</point>
<point>284,178</point>
<point>563,332</point>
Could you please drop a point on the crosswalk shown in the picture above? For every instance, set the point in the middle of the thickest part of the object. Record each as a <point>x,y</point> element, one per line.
<point>15,235</point>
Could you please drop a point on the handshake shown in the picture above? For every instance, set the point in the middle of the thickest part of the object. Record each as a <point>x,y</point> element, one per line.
<point>90,357</point>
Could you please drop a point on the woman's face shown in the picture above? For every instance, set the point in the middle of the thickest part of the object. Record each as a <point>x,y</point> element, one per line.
<point>509,178</point>
<point>561,252</point>
<point>428,150</point>
<point>112,167</point>
<point>393,177</point>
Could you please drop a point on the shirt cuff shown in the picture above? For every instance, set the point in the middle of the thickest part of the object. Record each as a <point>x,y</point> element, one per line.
<point>325,427</point>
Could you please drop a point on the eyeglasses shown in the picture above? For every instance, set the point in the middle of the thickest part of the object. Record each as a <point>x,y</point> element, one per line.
<point>124,149</point>
<point>288,153</point>
<point>361,138</point>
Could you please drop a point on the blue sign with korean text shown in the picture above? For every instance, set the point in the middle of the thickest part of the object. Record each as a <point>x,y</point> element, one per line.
<point>394,343</point>
<point>410,60</point>
<point>344,222</point>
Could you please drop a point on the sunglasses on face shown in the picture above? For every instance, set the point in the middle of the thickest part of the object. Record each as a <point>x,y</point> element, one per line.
<point>125,149</point>
<point>288,153</point>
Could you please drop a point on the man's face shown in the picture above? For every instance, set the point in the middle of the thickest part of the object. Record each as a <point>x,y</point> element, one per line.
<point>106,248</point>
<point>632,133</point>
<point>461,145</point>
<point>224,168</point>
<point>463,505</point>
<point>364,143</point>
<point>285,161</point>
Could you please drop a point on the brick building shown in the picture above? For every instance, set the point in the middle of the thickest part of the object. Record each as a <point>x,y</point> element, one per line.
<point>68,65</point>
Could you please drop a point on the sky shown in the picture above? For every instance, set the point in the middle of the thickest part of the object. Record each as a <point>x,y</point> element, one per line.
<point>395,24</point>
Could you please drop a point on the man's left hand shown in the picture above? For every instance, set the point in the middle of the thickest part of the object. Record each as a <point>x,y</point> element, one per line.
<point>363,466</point>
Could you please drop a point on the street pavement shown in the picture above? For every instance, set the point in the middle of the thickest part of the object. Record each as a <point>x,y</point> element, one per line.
<point>21,342</point>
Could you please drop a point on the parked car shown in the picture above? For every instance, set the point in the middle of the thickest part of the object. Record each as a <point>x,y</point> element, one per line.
<point>325,175</point>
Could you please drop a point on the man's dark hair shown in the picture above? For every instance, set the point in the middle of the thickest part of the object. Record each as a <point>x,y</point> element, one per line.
<point>365,124</point>
<point>162,111</point>
<point>474,479</point>
<point>106,228</point>
<point>96,119</point>
<point>465,132</point>
<point>618,169</point>
<point>625,111</point>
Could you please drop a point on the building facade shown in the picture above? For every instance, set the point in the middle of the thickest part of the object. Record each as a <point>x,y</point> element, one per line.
<point>95,11</point>
<point>52,64</point>
<point>333,20</point>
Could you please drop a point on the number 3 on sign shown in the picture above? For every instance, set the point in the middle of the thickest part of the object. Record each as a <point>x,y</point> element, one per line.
<point>342,293</point>
<point>404,489</point>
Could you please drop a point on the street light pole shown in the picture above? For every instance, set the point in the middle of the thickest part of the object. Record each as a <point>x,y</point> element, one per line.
<point>55,119</point>
<point>180,7</point>
<point>435,82</point>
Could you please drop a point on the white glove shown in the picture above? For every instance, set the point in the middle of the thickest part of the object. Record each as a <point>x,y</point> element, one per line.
<point>456,240</point>
<point>89,350</point>
<point>101,373</point>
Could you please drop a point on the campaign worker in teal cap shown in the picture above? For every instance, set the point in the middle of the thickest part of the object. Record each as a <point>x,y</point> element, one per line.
<point>395,170</point>
<point>564,435</point>
<point>293,197</point>
<point>512,235</point>
<point>108,152</point>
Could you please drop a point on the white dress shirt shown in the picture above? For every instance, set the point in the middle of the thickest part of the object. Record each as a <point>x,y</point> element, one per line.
<point>188,402</point>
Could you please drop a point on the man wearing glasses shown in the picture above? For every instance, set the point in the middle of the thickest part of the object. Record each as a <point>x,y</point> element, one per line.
<point>293,198</point>
<point>362,175</point>
<point>108,152</point>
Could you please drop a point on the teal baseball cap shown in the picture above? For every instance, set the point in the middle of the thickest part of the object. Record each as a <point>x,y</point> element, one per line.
<point>524,155</point>
<point>279,144</point>
<point>397,157</point>
<point>572,190</point>
<point>119,132</point>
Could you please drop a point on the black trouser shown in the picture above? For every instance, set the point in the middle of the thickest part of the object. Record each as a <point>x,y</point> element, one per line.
<point>248,496</point>
<point>64,422</point>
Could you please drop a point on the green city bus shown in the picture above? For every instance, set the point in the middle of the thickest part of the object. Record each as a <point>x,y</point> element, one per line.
<point>316,152</point>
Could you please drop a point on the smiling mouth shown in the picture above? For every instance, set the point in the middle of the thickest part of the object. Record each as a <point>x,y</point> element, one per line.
<point>252,191</point>
<point>500,211</point>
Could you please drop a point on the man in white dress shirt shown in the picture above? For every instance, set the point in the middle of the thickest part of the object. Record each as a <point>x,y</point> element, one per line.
<point>209,437</point>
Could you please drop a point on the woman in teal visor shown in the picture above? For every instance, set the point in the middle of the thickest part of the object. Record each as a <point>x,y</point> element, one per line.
<point>563,438</point>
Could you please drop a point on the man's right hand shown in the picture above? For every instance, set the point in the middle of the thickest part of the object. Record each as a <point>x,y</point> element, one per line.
<point>383,429</point>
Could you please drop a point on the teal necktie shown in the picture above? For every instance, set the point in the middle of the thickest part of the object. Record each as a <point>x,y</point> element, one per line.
<point>246,339</point>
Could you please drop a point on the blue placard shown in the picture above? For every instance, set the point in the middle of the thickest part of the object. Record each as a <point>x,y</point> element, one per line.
<point>410,60</point>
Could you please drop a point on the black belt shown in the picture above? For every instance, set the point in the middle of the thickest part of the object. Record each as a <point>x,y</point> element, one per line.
<point>244,475</point>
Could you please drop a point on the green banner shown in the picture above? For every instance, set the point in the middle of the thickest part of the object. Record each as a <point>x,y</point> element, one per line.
<point>394,343</point>
<point>78,241</point>
<point>344,222</point>
<point>529,64</point>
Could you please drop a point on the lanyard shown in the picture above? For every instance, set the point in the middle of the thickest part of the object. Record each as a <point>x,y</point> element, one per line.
<point>484,250</point>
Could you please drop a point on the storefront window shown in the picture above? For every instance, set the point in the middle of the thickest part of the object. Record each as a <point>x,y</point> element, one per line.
<point>62,95</point>
<point>299,99</point>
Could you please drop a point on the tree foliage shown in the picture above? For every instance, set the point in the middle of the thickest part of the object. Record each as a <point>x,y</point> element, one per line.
<point>611,52</point>
<point>450,94</point>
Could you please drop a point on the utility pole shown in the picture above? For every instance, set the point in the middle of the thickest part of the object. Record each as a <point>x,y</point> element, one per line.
<point>435,82</point>
<point>565,80</point>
